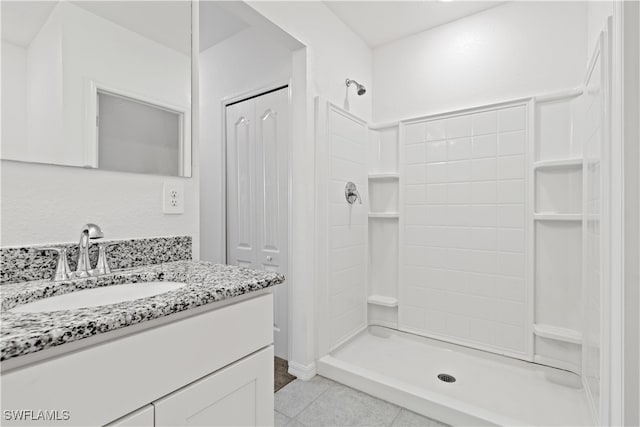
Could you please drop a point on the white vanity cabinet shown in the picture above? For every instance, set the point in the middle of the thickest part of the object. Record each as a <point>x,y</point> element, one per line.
<point>213,365</point>
<point>238,395</point>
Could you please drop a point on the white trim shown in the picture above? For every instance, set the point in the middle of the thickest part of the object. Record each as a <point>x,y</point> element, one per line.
<point>558,163</point>
<point>557,217</point>
<point>302,372</point>
<point>388,215</point>
<point>557,333</point>
<point>382,300</point>
<point>383,176</point>
<point>616,220</point>
<point>91,120</point>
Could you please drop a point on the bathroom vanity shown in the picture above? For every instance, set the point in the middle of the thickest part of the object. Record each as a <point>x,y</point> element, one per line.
<point>200,354</point>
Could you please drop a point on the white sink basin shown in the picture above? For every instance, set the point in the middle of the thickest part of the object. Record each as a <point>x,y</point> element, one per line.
<point>96,297</point>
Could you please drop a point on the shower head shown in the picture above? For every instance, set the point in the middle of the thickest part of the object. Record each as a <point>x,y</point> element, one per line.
<point>361,90</point>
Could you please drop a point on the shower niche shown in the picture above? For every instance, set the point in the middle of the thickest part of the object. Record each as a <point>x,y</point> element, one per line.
<point>382,300</point>
<point>558,230</point>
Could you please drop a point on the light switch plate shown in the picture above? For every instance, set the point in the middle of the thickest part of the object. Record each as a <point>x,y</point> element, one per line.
<point>173,197</point>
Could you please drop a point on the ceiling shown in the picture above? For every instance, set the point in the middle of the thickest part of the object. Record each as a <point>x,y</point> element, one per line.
<point>166,22</point>
<point>217,24</point>
<point>21,20</point>
<point>380,22</point>
<point>169,24</point>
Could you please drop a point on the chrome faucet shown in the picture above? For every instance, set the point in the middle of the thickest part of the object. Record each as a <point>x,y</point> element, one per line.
<point>89,232</point>
<point>83,269</point>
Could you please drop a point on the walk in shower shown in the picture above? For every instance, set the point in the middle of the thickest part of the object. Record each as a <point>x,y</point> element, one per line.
<point>466,286</point>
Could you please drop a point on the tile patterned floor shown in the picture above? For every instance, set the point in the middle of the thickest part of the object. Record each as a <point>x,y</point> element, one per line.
<point>322,402</point>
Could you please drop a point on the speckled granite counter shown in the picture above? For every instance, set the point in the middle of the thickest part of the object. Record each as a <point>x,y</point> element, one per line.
<point>25,333</point>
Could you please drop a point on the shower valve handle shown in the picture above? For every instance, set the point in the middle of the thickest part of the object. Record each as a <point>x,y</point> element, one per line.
<point>351,193</point>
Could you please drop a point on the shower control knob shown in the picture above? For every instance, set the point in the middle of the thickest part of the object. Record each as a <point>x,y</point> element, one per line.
<point>269,258</point>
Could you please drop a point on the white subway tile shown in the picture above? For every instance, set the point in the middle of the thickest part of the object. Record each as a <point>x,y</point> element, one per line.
<point>459,193</point>
<point>459,171</point>
<point>485,146</point>
<point>511,143</point>
<point>513,118</point>
<point>415,153</point>
<point>436,194</point>
<point>484,169</point>
<point>511,191</point>
<point>510,337</point>
<point>413,317</point>
<point>511,240</point>
<point>436,172</point>
<point>484,192</point>
<point>511,264</point>
<point>511,216</point>
<point>483,216</point>
<point>483,262</point>
<point>511,288</point>
<point>436,151</point>
<point>415,194</point>
<point>436,130</point>
<point>416,215</point>
<point>459,149</point>
<point>415,174</point>
<point>460,126</point>
<point>484,123</point>
<point>415,133</point>
<point>458,215</point>
<point>436,215</point>
<point>511,167</point>
<point>483,238</point>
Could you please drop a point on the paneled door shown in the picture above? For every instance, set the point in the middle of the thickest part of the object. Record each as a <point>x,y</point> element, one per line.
<point>257,139</point>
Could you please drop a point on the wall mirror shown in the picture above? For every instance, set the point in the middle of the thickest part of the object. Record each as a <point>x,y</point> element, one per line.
<point>98,84</point>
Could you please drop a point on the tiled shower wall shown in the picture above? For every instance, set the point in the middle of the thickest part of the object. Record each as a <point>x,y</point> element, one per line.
<point>347,227</point>
<point>463,228</point>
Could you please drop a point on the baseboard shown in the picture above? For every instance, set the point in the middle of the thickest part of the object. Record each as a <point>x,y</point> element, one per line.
<point>304,373</point>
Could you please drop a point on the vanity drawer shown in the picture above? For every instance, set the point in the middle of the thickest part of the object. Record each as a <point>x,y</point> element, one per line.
<point>99,384</point>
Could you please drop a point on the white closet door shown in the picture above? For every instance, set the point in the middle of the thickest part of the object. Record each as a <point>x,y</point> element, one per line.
<point>241,186</point>
<point>272,130</point>
<point>257,193</point>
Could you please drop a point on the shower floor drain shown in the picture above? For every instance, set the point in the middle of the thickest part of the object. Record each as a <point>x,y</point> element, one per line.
<point>447,378</point>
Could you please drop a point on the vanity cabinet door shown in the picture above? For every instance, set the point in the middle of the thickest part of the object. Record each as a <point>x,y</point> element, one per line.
<point>142,417</point>
<point>239,395</point>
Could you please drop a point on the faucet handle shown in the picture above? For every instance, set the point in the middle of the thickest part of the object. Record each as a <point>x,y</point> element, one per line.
<point>63,272</point>
<point>102,266</point>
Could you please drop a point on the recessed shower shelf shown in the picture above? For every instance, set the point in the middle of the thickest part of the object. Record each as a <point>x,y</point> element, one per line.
<point>383,300</point>
<point>384,176</point>
<point>560,163</point>
<point>557,217</point>
<point>390,215</point>
<point>557,333</point>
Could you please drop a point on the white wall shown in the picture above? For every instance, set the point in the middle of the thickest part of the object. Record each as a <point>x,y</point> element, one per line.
<point>49,204</point>
<point>334,51</point>
<point>244,62</point>
<point>499,54</point>
<point>14,100</point>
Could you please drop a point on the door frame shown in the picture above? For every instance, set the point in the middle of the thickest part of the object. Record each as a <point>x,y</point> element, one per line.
<point>233,99</point>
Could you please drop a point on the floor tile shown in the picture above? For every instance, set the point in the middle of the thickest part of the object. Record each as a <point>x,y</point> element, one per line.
<point>411,419</point>
<point>280,420</point>
<point>344,406</point>
<point>297,395</point>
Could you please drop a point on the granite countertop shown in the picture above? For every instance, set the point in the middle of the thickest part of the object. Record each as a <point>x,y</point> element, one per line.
<point>25,333</point>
